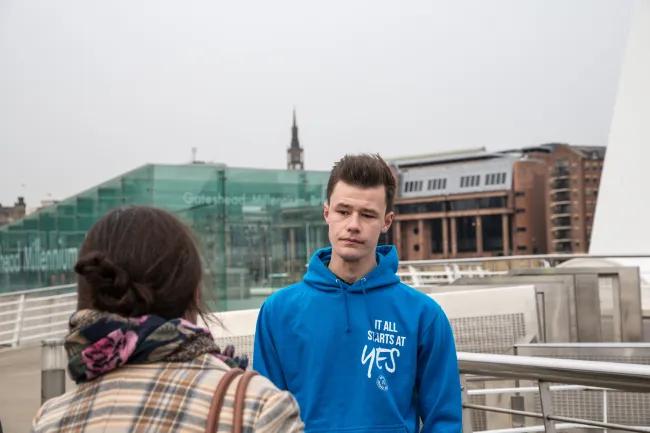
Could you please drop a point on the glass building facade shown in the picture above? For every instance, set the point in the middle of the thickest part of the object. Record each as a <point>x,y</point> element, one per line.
<point>256,228</point>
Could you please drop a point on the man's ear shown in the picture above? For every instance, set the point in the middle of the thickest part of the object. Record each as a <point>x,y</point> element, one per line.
<point>326,210</point>
<point>388,220</point>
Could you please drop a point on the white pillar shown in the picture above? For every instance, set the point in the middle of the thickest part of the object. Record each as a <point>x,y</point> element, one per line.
<point>621,221</point>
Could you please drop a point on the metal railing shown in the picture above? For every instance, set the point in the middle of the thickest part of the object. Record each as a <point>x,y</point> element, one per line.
<point>589,374</point>
<point>446,271</point>
<point>33,315</point>
<point>447,275</point>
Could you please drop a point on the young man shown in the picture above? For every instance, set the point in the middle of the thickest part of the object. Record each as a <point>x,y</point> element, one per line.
<point>361,352</point>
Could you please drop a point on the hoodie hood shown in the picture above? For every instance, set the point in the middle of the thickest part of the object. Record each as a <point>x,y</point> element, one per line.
<point>384,274</point>
<point>321,278</point>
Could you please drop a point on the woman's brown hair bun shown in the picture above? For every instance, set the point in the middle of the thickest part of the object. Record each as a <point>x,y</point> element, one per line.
<point>112,286</point>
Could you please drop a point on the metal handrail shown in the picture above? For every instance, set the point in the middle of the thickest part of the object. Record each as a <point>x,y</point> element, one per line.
<point>524,257</point>
<point>610,375</point>
<point>624,377</point>
<point>24,316</point>
<point>38,290</point>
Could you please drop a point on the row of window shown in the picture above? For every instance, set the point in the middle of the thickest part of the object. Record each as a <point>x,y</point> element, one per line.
<point>469,181</point>
<point>465,182</point>
<point>432,184</point>
<point>490,179</point>
<point>453,205</point>
<point>495,178</point>
<point>412,186</point>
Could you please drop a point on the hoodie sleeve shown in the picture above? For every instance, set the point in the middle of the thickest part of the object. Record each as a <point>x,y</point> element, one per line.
<point>265,354</point>
<point>437,380</point>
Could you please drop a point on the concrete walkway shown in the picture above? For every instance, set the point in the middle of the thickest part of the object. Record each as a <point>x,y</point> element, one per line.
<point>20,387</point>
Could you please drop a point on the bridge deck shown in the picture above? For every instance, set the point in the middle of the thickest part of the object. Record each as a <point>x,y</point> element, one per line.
<point>20,387</point>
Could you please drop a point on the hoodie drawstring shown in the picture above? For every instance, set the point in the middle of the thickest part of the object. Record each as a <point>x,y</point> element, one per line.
<point>364,281</point>
<point>347,306</point>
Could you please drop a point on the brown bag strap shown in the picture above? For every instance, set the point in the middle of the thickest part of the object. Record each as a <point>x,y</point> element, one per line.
<point>218,398</point>
<point>240,397</point>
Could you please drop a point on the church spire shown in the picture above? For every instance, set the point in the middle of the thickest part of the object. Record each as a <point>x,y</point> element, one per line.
<point>295,157</point>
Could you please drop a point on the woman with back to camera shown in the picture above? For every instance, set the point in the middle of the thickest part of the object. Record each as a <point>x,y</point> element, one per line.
<point>140,361</point>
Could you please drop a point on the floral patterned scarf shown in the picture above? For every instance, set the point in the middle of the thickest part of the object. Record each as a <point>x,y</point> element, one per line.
<point>100,342</point>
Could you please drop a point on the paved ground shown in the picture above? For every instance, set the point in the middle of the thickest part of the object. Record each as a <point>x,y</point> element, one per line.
<point>20,387</point>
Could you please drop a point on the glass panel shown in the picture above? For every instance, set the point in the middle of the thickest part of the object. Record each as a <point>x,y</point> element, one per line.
<point>466,234</point>
<point>256,228</point>
<point>492,230</point>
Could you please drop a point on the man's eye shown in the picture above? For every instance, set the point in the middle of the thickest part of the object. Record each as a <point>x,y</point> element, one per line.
<point>368,215</point>
<point>343,212</point>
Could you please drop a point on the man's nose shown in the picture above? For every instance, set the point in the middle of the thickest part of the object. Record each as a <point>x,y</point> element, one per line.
<point>353,222</point>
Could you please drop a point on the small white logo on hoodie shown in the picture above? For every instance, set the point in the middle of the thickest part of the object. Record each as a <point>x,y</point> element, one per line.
<point>382,383</point>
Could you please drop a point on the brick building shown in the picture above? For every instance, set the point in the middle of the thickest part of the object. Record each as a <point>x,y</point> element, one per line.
<point>571,193</point>
<point>13,213</point>
<point>475,203</point>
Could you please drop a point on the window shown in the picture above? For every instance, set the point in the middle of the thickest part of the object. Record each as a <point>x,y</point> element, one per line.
<point>412,186</point>
<point>521,229</point>
<point>438,206</point>
<point>519,193</point>
<point>416,247</point>
<point>495,178</point>
<point>469,181</point>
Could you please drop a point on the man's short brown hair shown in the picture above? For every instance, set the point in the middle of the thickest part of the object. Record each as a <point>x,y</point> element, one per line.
<point>365,171</point>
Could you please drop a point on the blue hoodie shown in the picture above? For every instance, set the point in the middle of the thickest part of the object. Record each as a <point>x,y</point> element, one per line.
<point>373,356</point>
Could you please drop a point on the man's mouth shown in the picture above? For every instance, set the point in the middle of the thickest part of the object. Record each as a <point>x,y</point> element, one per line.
<point>352,241</point>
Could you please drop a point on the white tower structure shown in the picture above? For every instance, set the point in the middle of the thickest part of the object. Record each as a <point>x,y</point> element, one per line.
<point>621,224</point>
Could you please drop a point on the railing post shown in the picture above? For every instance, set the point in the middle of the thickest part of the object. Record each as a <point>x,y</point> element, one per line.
<point>605,414</point>
<point>457,272</point>
<point>52,368</point>
<point>467,413</point>
<point>450,275</point>
<point>415,279</point>
<point>547,406</point>
<point>19,321</point>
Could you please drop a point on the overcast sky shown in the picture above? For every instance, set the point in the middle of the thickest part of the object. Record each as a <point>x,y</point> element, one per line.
<point>90,89</point>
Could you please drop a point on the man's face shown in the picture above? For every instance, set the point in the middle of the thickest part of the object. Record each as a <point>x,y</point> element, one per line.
<point>356,217</point>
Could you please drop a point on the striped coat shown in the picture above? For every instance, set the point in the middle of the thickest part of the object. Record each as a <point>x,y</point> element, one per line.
<point>166,397</point>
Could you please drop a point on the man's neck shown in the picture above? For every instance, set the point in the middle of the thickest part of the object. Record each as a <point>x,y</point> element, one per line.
<point>350,272</point>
